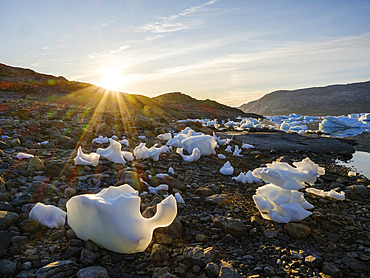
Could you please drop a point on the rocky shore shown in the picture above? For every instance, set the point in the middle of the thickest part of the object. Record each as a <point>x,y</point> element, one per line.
<point>218,232</point>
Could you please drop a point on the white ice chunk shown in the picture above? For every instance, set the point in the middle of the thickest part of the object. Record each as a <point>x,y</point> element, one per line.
<point>142,137</point>
<point>281,205</point>
<point>48,215</point>
<point>205,143</point>
<point>171,171</point>
<point>284,178</point>
<point>161,176</point>
<point>165,137</point>
<point>124,142</point>
<point>227,169</point>
<point>332,193</point>
<point>221,156</point>
<point>159,187</point>
<point>308,165</point>
<point>142,152</point>
<point>91,159</point>
<point>229,149</point>
<point>101,140</point>
<point>114,137</point>
<point>113,152</point>
<point>352,174</point>
<point>112,218</point>
<point>179,198</point>
<point>237,151</point>
<point>195,155</point>
<point>21,155</point>
<point>247,146</point>
<point>247,177</point>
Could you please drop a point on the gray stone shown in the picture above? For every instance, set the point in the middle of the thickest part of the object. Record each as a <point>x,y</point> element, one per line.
<point>173,183</point>
<point>204,191</point>
<point>331,269</point>
<point>227,271</point>
<point>297,230</point>
<point>22,199</point>
<point>19,241</point>
<point>199,256</point>
<point>29,226</point>
<point>7,218</point>
<point>159,253</point>
<point>355,265</point>
<point>7,268</point>
<point>232,226</point>
<point>313,261</point>
<point>271,233</point>
<point>93,272</point>
<point>56,168</point>
<point>5,238</point>
<point>36,164</point>
<point>162,272</point>
<point>58,269</point>
<point>212,270</point>
<point>217,199</point>
<point>88,257</point>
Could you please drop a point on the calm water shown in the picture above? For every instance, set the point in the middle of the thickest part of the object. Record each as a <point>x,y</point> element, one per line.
<point>360,163</point>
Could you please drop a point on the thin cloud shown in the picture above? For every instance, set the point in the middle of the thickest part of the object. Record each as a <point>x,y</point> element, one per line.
<point>176,22</point>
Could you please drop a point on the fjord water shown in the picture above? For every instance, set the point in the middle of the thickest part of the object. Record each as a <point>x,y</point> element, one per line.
<point>360,162</point>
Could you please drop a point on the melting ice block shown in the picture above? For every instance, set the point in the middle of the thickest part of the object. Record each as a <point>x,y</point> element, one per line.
<point>112,218</point>
<point>247,177</point>
<point>227,169</point>
<point>91,159</point>
<point>281,205</point>
<point>21,155</point>
<point>113,152</point>
<point>165,137</point>
<point>48,215</point>
<point>142,152</point>
<point>205,143</point>
<point>332,193</point>
<point>195,155</point>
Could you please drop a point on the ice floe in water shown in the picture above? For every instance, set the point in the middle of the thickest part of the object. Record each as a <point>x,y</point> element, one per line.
<point>112,218</point>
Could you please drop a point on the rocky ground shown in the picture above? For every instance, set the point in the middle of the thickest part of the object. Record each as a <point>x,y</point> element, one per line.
<point>218,231</point>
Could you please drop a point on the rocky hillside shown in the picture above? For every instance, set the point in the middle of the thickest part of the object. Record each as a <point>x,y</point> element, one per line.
<point>330,100</point>
<point>23,83</point>
<point>194,108</point>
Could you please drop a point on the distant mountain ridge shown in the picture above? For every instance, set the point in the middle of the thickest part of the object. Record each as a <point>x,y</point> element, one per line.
<point>21,83</point>
<point>330,100</point>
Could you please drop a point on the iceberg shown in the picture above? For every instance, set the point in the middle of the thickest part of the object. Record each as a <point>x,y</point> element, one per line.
<point>48,215</point>
<point>112,218</point>
<point>91,159</point>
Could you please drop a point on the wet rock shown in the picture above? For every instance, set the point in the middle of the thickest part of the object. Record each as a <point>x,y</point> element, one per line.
<point>297,230</point>
<point>355,264</point>
<point>58,269</point>
<point>232,226</point>
<point>199,256</point>
<point>22,199</point>
<point>15,142</point>
<point>7,218</point>
<point>93,272</point>
<point>7,268</point>
<point>271,233</point>
<point>358,192</point>
<point>331,269</point>
<point>217,199</point>
<point>159,253</point>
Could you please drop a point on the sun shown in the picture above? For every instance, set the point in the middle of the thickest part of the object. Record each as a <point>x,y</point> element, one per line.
<point>112,79</point>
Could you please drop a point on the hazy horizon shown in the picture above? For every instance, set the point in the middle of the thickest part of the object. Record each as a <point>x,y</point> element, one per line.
<point>229,51</point>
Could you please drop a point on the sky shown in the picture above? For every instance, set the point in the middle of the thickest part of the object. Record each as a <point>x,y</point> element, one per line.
<point>231,51</point>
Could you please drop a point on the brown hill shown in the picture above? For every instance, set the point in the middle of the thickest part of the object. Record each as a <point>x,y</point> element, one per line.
<point>26,83</point>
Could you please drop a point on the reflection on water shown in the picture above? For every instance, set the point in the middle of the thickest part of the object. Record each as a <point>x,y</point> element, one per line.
<point>341,132</point>
<point>360,162</point>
